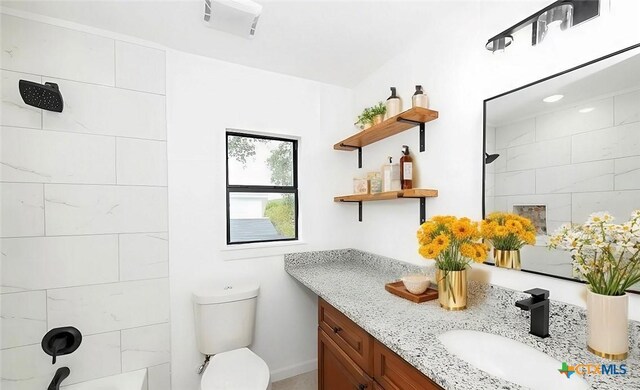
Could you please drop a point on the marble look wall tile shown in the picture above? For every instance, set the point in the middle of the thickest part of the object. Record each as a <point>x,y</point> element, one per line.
<point>142,162</point>
<point>22,210</point>
<point>519,133</point>
<point>55,157</point>
<point>24,318</point>
<point>37,263</point>
<point>145,346</point>
<point>539,155</point>
<point>515,183</point>
<point>627,108</point>
<point>585,177</point>
<point>613,142</point>
<point>160,377</point>
<point>144,256</point>
<point>619,203</point>
<point>78,209</point>
<point>96,109</point>
<point>571,121</point>
<point>14,111</point>
<point>140,68</point>
<point>108,307</point>
<point>627,173</point>
<point>34,47</point>
<point>28,368</point>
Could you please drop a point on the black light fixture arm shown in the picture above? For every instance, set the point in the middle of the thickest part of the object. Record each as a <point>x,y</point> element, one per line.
<point>583,10</point>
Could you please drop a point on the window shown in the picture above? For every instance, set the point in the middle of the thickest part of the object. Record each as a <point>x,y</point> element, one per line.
<point>262,188</point>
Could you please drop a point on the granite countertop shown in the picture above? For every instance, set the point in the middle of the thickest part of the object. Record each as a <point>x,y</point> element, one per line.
<point>353,282</point>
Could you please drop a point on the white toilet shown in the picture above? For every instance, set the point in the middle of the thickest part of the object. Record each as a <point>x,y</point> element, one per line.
<point>225,318</point>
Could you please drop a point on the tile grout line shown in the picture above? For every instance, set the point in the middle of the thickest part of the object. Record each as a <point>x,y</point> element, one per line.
<point>84,134</point>
<point>90,234</point>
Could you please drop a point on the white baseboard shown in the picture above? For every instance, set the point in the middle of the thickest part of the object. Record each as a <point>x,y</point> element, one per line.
<point>296,369</point>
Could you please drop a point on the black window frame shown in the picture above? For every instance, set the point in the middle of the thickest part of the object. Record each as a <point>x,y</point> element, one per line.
<point>293,189</point>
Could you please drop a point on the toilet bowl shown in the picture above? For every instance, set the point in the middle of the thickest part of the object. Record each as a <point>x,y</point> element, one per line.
<point>240,369</point>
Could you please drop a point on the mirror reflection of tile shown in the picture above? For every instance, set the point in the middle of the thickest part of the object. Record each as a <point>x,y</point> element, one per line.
<point>559,162</point>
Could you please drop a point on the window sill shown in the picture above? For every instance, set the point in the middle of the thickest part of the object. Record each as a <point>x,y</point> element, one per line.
<point>259,249</point>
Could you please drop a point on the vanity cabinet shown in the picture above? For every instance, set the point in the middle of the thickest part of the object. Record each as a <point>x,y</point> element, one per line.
<point>350,358</point>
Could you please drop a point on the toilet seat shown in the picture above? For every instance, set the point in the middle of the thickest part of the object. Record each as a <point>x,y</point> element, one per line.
<point>239,369</point>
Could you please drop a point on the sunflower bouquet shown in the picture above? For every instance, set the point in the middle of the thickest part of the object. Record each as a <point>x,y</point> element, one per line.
<point>508,232</point>
<point>451,242</point>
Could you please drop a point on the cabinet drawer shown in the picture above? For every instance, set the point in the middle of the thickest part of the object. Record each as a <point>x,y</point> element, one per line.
<point>336,370</point>
<point>352,339</point>
<point>394,373</point>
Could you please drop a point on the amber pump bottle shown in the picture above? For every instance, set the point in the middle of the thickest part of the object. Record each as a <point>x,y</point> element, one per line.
<point>406,169</point>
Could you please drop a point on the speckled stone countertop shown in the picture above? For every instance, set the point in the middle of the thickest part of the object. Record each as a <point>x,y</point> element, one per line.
<point>353,282</point>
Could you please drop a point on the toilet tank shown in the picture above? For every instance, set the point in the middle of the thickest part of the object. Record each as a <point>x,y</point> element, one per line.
<point>225,316</point>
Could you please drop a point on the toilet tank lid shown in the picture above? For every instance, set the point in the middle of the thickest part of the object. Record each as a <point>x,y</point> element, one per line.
<point>225,292</point>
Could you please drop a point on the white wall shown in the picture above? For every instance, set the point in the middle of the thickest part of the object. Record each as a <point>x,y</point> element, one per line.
<point>204,98</point>
<point>458,74</point>
<point>84,206</point>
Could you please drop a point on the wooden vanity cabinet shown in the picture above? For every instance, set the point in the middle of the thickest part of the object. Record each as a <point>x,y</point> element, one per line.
<point>349,357</point>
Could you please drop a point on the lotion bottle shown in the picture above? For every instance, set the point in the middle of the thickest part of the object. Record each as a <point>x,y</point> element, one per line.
<point>406,169</point>
<point>394,104</point>
<point>386,175</point>
<point>420,99</point>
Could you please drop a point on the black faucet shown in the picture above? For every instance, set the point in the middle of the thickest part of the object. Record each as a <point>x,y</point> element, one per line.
<point>538,305</point>
<point>61,374</point>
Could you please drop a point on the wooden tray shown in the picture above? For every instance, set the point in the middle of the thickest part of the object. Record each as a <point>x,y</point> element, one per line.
<point>398,288</point>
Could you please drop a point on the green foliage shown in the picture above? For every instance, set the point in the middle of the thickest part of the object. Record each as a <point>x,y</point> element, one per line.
<point>242,148</point>
<point>378,109</point>
<point>281,213</point>
<point>281,164</point>
<point>366,117</point>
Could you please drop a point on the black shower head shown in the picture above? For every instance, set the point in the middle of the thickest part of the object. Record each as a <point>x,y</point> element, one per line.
<point>45,96</point>
<point>489,158</point>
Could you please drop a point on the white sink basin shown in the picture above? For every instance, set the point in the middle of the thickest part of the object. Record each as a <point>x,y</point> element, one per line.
<point>510,360</point>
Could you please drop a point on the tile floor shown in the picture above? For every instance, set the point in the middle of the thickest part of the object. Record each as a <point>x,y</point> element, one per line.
<point>306,381</point>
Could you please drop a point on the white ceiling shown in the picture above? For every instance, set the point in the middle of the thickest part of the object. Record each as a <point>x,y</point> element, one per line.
<point>603,78</point>
<point>337,42</point>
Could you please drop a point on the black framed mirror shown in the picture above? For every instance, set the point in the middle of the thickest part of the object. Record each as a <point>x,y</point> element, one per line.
<point>558,149</point>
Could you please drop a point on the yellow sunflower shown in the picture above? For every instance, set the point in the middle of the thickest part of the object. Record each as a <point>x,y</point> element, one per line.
<point>441,241</point>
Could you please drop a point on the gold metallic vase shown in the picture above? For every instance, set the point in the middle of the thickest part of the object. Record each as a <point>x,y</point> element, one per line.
<point>452,289</point>
<point>507,259</point>
<point>377,119</point>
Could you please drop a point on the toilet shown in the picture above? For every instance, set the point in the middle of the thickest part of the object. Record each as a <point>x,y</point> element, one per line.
<point>224,322</point>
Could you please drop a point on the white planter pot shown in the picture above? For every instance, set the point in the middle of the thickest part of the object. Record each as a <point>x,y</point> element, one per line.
<point>608,323</point>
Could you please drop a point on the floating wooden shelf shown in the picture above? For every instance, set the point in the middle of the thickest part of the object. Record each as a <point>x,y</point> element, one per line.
<point>415,193</point>
<point>392,126</point>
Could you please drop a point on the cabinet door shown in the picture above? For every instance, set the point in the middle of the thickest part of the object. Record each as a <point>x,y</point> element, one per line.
<point>351,338</point>
<point>394,373</point>
<point>336,371</point>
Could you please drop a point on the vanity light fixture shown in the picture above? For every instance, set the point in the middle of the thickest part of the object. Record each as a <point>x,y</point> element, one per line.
<point>586,110</point>
<point>498,45</point>
<point>561,14</point>
<point>552,98</point>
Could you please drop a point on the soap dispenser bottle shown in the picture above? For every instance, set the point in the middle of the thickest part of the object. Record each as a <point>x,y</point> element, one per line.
<point>394,104</point>
<point>406,169</point>
<point>420,99</point>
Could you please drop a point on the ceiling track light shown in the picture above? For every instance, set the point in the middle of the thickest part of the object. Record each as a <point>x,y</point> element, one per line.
<point>563,14</point>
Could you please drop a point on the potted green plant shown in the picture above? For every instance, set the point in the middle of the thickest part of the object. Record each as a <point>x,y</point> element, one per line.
<point>364,119</point>
<point>607,256</point>
<point>377,113</point>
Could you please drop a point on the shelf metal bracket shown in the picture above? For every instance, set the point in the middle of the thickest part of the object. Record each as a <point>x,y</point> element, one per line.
<point>359,152</point>
<point>359,207</point>
<point>423,210</point>
<point>416,123</point>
